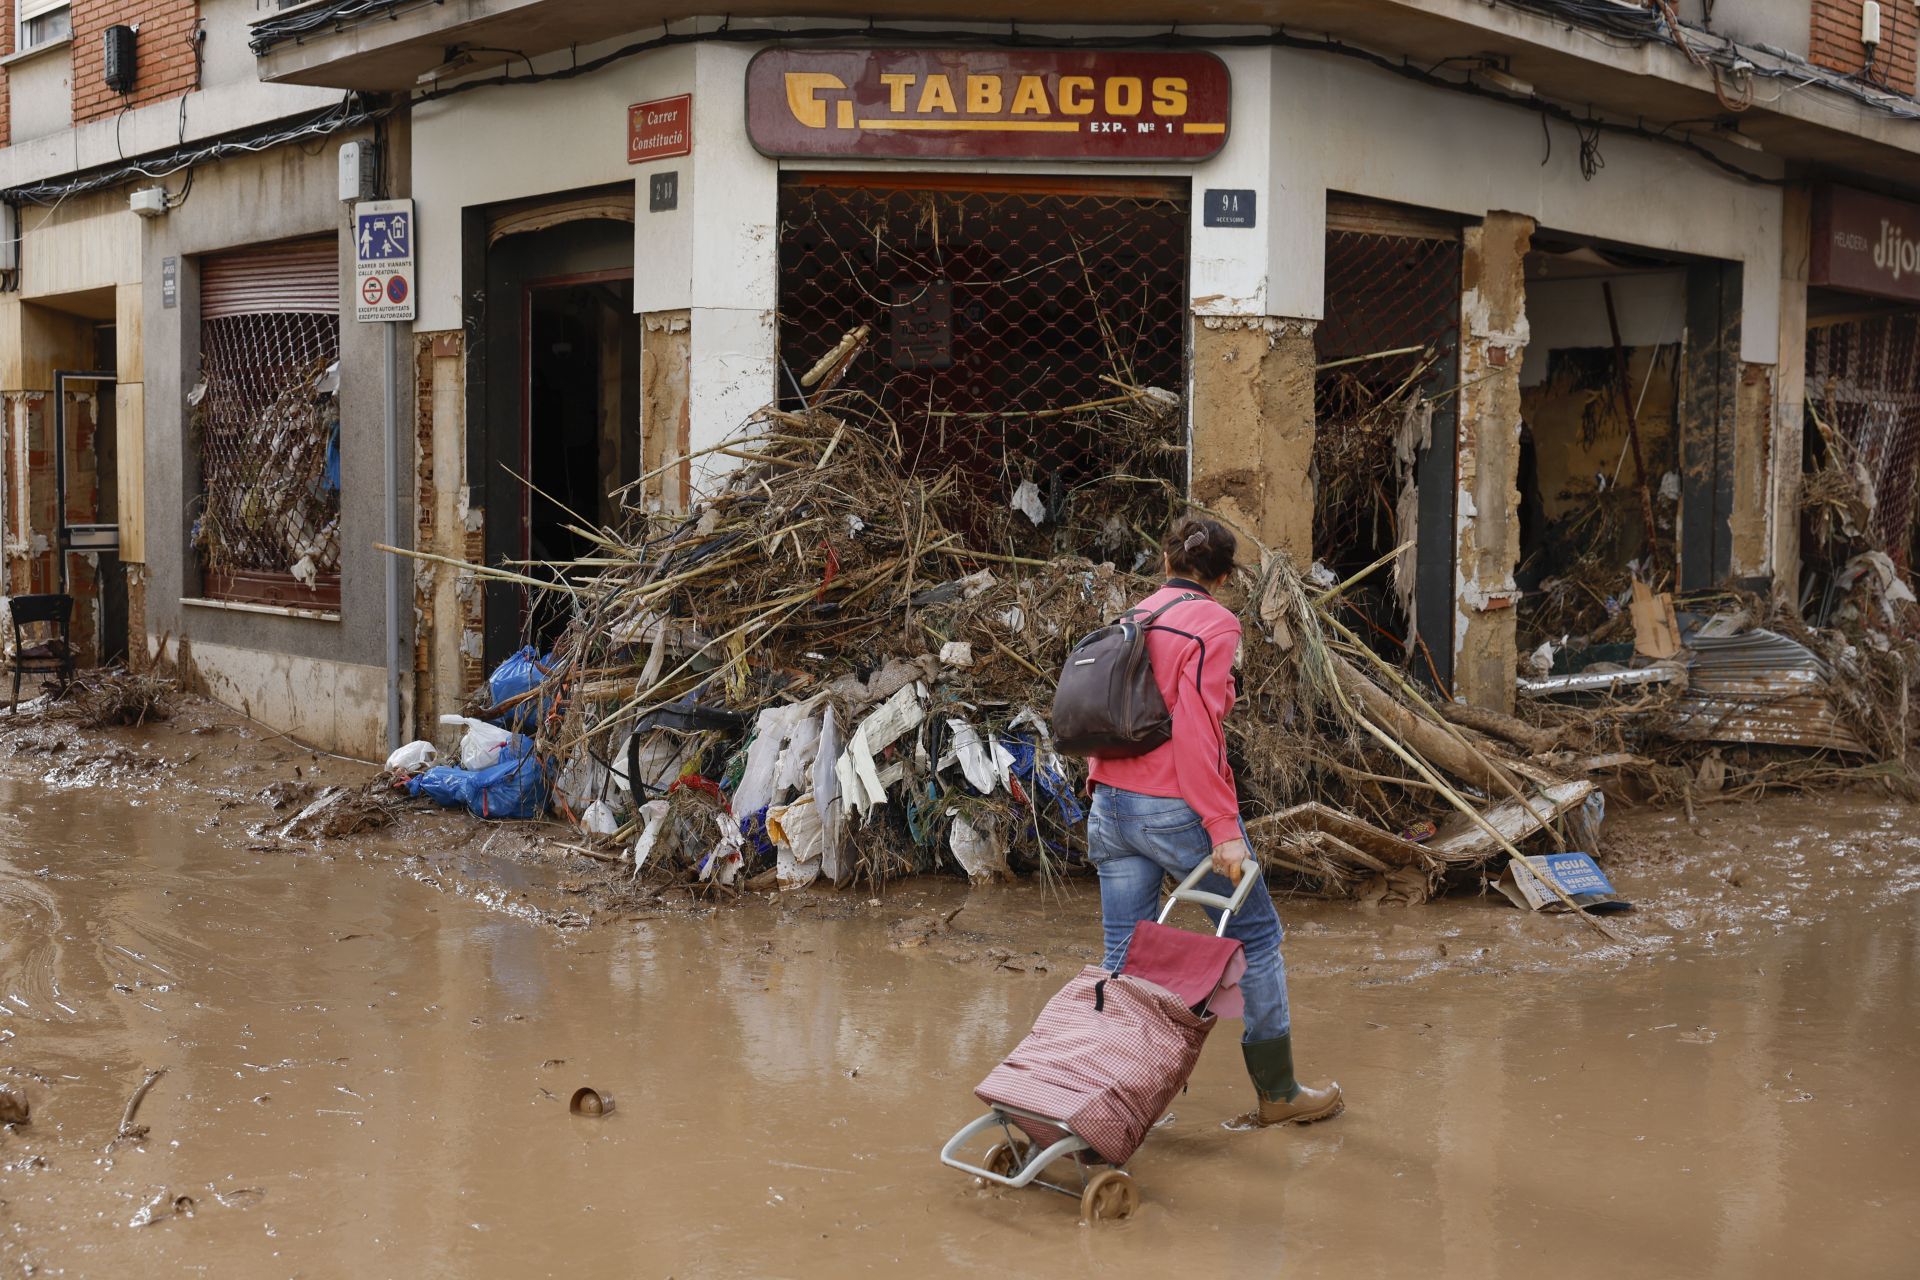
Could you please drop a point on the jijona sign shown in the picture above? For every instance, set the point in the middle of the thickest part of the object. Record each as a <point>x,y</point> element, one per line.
<point>1001,104</point>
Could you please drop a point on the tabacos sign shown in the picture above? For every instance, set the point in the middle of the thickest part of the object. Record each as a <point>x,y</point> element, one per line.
<point>1866,243</point>
<point>1024,104</point>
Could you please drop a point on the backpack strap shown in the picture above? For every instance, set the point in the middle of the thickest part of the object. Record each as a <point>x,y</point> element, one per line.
<point>1153,618</point>
<point>1155,615</point>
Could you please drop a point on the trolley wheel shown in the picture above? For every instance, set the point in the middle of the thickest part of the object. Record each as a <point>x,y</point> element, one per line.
<point>1004,1159</point>
<point>1110,1195</point>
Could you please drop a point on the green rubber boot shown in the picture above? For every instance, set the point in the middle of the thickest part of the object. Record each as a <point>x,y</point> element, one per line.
<point>1282,1099</point>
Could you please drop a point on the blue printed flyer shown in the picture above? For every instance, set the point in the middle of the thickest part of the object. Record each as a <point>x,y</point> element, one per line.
<point>1577,875</point>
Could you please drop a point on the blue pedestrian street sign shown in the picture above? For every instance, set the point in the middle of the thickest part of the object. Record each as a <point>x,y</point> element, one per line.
<point>383,260</point>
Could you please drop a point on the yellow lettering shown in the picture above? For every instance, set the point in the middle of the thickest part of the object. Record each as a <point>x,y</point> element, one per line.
<point>844,116</point>
<point>983,95</point>
<point>1076,95</point>
<point>1123,96</point>
<point>897,82</point>
<point>803,96</point>
<point>936,95</point>
<point>1030,97</point>
<point>1170,96</point>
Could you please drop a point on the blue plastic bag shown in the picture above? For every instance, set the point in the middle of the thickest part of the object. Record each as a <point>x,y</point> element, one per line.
<point>514,788</point>
<point>516,676</point>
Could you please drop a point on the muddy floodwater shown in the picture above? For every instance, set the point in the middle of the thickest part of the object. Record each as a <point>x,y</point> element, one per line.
<point>368,1050</point>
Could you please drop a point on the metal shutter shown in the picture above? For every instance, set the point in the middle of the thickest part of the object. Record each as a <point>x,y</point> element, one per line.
<point>295,275</point>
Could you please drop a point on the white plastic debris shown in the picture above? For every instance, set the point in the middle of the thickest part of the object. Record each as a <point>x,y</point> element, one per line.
<point>826,794</point>
<point>981,854</point>
<point>653,819</point>
<point>798,840</point>
<point>1321,576</point>
<point>305,571</point>
<point>976,761</point>
<point>480,743</point>
<point>1540,661</point>
<point>956,653</point>
<point>1013,619</point>
<point>791,773</point>
<point>1670,487</point>
<point>975,583</point>
<point>722,862</point>
<point>771,732</point>
<point>1026,500</point>
<point>863,784</point>
<point>581,781</point>
<point>598,820</point>
<point>412,758</point>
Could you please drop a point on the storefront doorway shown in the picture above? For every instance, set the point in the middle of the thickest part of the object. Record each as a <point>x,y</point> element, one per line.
<point>1386,409</point>
<point>1629,401</point>
<point>561,436</point>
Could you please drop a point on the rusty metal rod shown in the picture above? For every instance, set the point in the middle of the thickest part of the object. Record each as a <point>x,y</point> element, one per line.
<point>1633,432</point>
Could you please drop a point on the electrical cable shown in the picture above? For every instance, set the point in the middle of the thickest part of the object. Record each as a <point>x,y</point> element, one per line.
<point>350,113</point>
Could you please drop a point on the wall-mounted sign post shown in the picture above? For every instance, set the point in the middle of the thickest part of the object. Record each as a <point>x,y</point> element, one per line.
<point>1024,104</point>
<point>660,130</point>
<point>1229,208</point>
<point>383,260</point>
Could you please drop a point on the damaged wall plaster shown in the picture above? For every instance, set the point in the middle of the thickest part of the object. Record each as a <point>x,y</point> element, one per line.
<point>1752,443</point>
<point>1252,437</point>
<point>1494,341</point>
<point>447,601</point>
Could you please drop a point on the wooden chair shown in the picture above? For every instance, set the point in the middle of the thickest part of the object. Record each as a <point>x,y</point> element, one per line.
<point>49,654</point>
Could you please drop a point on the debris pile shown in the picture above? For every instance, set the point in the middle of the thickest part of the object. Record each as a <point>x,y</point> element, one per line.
<point>102,699</point>
<point>824,671</point>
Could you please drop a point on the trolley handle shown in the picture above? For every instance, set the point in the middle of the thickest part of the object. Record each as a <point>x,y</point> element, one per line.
<point>1249,877</point>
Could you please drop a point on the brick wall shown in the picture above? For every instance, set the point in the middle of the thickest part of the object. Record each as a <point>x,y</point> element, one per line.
<point>6,47</point>
<point>165,53</point>
<point>1836,41</point>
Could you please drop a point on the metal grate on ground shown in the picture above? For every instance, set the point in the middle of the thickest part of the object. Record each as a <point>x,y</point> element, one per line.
<point>995,305</point>
<point>1863,378</point>
<point>268,426</point>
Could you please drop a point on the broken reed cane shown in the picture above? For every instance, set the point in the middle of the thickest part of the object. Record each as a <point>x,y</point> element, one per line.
<point>1633,431</point>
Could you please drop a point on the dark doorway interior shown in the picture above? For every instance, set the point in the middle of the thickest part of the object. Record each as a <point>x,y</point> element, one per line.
<point>561,427</point>
<point>1386,413</point>
<point>583,358</point>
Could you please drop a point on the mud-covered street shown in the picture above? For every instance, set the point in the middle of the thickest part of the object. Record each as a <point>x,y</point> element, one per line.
<point>369,1042</point>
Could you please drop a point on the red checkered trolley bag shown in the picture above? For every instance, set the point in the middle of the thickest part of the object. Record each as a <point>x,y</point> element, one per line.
<point>1105,1059</point>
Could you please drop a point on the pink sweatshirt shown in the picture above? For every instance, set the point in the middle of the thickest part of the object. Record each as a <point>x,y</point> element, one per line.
<point>1196,679</point>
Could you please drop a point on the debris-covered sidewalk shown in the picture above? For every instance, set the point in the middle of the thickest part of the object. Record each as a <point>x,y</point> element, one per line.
<point>839,667</point>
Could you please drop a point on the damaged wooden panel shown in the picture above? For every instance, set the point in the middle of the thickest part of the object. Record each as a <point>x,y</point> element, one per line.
<point>1463,841</point>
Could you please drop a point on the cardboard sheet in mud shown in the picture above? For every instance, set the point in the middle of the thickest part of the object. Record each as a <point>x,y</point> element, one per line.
<point>1576,873</point>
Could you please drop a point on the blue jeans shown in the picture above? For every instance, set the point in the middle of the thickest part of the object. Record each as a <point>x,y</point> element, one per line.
<point>1134,841</point>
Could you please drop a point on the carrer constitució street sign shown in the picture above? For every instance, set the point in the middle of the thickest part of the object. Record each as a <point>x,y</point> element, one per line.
<point>383,260</point>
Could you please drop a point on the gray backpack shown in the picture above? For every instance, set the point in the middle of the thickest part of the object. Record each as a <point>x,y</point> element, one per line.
<point>1108,703</point>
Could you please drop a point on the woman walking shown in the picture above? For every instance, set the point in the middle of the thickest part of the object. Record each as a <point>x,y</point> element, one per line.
<point>1163,813</point>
